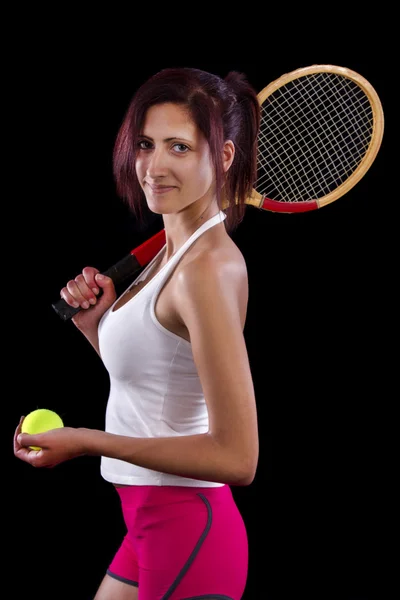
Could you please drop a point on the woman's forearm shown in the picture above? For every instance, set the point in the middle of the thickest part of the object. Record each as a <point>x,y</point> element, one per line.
<point>195,456</point>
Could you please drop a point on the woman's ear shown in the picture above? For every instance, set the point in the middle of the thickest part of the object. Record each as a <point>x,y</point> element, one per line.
<point>228,154</point>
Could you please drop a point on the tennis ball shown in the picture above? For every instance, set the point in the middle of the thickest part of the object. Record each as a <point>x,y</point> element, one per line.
<point>40,420</point>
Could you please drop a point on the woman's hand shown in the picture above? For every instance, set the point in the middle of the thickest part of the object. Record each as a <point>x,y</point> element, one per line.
<point>84,291</point>
<point>56,446</point>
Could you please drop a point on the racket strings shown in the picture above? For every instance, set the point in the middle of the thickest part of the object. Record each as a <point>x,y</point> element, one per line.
<point>314,132</point>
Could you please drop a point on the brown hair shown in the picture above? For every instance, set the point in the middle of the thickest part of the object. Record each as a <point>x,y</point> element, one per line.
<point>222,109</point>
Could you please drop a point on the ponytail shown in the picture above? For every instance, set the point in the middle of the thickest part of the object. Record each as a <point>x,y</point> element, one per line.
<point>241,125</point>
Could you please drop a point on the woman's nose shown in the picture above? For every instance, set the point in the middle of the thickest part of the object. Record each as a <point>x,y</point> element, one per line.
<point>158,164</point>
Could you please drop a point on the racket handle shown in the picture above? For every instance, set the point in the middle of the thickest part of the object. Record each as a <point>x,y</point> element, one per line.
<point>126,267</point>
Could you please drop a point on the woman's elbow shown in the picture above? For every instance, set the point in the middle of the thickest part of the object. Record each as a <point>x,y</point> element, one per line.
<point>248,477</point>
<point>240,462</point>
<point>245,471</point>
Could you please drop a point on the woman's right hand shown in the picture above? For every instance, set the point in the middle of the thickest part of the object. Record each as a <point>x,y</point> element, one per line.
<point>84,291</point>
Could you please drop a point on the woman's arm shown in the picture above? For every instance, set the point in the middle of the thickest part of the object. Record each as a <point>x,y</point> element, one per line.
<point>211,295</point>
<point>196,456</point>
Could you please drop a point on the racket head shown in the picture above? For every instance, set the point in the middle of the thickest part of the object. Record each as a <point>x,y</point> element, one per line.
<point>321,129</point>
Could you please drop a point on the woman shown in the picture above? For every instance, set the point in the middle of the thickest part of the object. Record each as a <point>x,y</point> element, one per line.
<point>181,424</point>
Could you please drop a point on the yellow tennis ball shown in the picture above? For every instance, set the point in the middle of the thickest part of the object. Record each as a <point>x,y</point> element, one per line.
<point>40,420</point>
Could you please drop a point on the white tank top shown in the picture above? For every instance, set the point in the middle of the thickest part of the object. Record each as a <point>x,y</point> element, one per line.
<point>155,390</point>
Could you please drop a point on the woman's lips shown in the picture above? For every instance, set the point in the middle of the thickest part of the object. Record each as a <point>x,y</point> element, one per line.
<point>161,189</point>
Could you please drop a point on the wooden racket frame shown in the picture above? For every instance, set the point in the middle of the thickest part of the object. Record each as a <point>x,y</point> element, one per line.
<point>262,202</point>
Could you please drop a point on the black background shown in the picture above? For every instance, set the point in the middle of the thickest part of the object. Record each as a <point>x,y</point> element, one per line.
<point>314,327</point>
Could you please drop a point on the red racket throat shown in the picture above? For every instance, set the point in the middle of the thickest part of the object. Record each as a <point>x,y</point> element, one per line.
<point>148,250</point>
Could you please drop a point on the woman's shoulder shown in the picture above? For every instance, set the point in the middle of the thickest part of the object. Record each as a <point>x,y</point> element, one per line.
<point>214,279</point>
<point>213,274</point>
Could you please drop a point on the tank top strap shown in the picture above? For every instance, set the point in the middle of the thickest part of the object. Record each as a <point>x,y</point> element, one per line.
<point>218,218</point>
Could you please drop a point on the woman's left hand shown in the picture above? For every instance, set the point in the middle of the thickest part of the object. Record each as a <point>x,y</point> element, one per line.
<point>56,446</point>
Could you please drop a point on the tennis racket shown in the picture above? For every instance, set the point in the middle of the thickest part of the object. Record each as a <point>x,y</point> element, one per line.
<point>321,129</point>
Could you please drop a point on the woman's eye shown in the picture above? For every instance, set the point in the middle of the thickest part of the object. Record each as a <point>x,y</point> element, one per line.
<point>182,148</point>
<point>144,145</point>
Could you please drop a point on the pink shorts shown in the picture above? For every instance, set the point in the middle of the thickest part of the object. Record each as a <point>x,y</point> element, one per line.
<point>182,543</point>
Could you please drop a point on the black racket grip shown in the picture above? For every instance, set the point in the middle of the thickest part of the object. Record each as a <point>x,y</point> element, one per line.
<point>123,269</point>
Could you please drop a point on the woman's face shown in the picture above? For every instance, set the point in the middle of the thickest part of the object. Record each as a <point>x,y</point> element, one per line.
<point>173,162</point>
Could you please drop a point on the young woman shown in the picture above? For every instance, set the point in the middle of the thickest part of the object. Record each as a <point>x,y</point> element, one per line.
<point>181,421</point>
